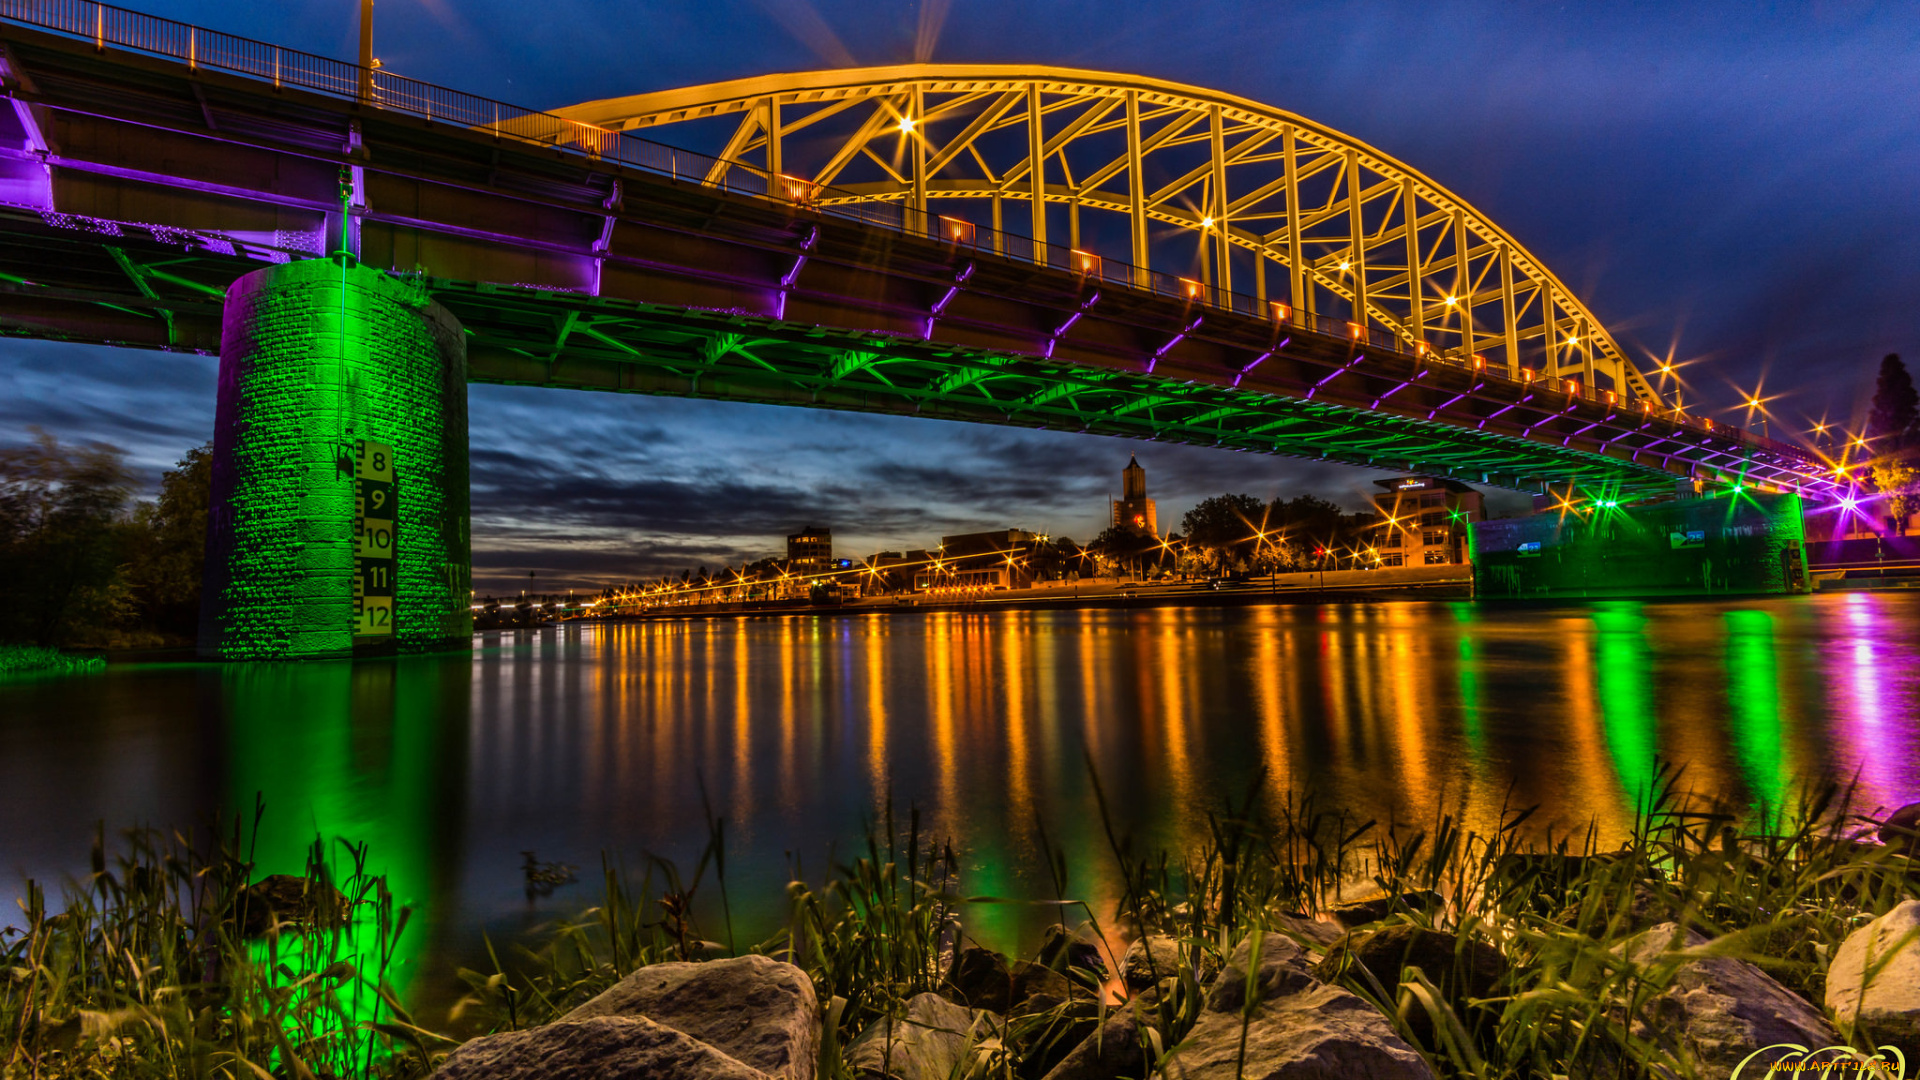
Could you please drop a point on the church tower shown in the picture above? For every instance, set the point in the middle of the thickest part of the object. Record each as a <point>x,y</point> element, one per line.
<point>1133,510</point>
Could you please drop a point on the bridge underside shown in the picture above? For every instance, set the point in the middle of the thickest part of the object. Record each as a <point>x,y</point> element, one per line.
<point>137,189</point>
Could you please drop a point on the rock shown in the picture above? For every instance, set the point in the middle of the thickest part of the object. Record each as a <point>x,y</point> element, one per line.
<point>1154,958</point>
<point>1901,830</point>
<point>1309,931</point>
<point>932,1042</point>
<point>1888,1006</point>
<point>1375,908</point>
<point>286,898</point>
<point>980,979</point>
<point>601,1048</point>
<point>1060,950</point>
<point>1037,988</point>
<point>1717,1010</point>
<point>1461,968</point>
<point>1113,1050</point>
<point>754,1009</point>
<point>1300,1028</point>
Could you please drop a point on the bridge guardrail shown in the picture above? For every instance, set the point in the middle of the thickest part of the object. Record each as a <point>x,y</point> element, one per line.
<point>109,26</point>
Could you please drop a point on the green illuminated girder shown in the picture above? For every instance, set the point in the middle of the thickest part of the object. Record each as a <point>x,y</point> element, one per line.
<point>662,351</point>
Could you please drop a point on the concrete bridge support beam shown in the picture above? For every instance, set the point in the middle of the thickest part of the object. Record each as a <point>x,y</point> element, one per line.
<point>339,516</point>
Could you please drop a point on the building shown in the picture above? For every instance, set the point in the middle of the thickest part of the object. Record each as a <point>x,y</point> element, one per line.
<point>1002,559</point>
<point>1423,520</point>
<point>1133,510</point>
<point>810,551</point>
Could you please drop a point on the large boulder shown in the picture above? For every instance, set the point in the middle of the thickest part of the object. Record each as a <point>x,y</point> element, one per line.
<point>1883,1002</point>
<point>1716,1011</point>
<point>601,1048</point>
<point>1296,1028</point>
<point>1381,905</point>
<point>1305,929</point>
<point>935,1040</point>
<point>983,979</point>
<point>1061,949</point>
<point>1901,830</point>
<point>754,1009</point>
<point>1462,968</point>
<point>1153,958</point>
<point>1113,1050</point>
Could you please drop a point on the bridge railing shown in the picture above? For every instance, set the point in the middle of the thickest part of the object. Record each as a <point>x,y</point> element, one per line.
<point>108,26</point>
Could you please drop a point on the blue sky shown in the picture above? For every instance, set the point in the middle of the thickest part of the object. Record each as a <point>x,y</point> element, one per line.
<point>1735,182</point>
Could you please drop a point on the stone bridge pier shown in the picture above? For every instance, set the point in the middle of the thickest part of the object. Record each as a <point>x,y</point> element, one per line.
<point>339,520</point>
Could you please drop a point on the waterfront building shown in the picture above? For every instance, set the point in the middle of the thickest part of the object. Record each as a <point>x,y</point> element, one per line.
<point>1424,519</point>
<point>1001,559</point>
<point>810,551</point>
<point>1133,510</point>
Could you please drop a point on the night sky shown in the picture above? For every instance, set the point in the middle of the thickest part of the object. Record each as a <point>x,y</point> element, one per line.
<point>1736,184</point>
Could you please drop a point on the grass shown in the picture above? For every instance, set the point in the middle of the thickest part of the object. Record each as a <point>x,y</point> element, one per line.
<point>163,962</point>
<point>147,972</point>
<point>19,660</point>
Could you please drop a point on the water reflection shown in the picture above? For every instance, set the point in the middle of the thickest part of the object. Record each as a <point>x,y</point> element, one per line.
<point>800,730</point>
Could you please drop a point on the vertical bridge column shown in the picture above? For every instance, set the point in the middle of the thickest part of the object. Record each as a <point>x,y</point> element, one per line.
<point>339,515</point>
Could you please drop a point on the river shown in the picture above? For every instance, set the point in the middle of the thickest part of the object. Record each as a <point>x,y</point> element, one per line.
<point>799,730</point>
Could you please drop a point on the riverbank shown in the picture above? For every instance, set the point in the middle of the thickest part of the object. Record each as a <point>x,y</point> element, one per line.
<point>1288,935</point>
<point>1312,587</point>
<point>26,661</point>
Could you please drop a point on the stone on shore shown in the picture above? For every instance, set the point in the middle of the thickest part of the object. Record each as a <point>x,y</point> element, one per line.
<point>1887,1005</point>
<point>1113,1050</point>
<point>1153,958</point>
<point>754,1009</point>
<point>1718,1010</point>
<point>1374,908</point>
<point>983,979</point>
<point>934,1041</point>
<point>600,1048</point>
<point>1299,1028</point>
<point>1460,968</point>
<point>1901,830</point>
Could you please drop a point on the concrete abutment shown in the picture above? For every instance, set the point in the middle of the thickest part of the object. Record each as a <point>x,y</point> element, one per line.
<point>339,521</point>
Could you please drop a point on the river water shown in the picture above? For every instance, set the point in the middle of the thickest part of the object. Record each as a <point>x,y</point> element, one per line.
<point>799,730</point>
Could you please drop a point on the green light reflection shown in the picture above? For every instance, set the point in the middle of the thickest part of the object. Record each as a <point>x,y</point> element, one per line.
<point>1623,672</point>
<point>1753,699</point>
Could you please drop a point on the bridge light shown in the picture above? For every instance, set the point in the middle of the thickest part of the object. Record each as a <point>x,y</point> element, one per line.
<point>1358,330</point>
<point>906,124</point>
<point>1452,300</point>
<point>1847,502</point>
<point>1281,312</point>
<point>1192,287</point>
<point>1479,362</point>
<point>1346,266</point>
<point>1207,223</point>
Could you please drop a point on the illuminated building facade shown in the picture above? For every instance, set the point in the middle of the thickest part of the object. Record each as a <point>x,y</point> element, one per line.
<point>1002,559</point>
<point>1133,510</point>
<point>810,550</point>
<point>1424,519</point>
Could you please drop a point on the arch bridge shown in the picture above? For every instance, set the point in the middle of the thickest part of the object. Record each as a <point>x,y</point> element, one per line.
<point>1048,248</point>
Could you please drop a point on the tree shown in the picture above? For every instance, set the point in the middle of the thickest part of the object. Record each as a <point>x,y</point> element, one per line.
<point>1226,527</point>
<point>169,560</point>
<point>63,528</point>
<point>1892,423</point>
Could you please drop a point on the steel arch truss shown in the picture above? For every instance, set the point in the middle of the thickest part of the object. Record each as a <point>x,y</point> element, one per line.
<point>1237,195</point>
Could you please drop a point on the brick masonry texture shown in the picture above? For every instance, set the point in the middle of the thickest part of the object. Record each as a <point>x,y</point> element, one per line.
<point>314,355</point>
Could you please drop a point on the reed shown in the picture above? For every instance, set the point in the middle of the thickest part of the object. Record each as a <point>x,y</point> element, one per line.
<point>163,962</point>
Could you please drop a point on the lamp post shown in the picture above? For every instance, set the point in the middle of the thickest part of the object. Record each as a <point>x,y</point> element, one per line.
<point>366,51</point>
